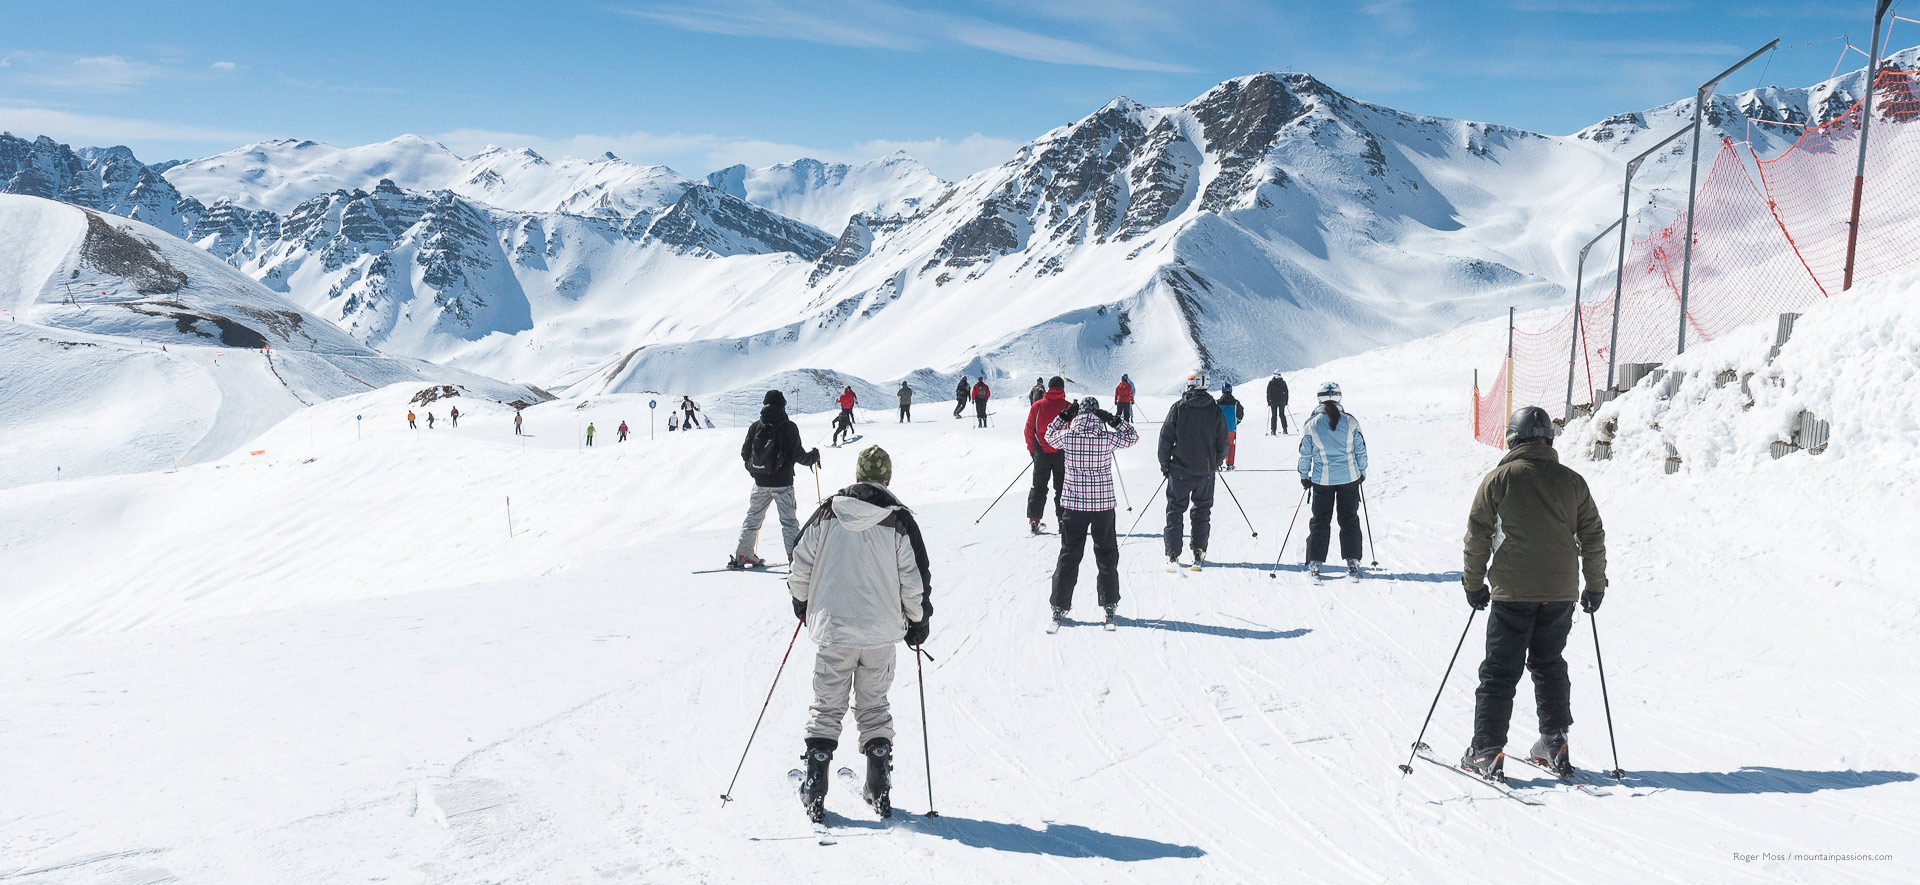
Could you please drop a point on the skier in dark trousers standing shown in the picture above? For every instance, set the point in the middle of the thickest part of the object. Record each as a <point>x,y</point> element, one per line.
<point>410,423</point>
<point>455,415</point>
<point>1193,442</point>
<point>770,452</point>
<point>1123,399</point>
<point>429,420</point>
<point>960,394</point>
<point>623,431</point>
<point>860,583</point>
<point>1333,463</point>
<point>687,408</point>
<point>906,403</point>
<point>1049,463</point>
<point>1088,436</point>
<point>980,394</point>
<point>589,432</point>
<point>516,424</point>
<point>1234,412</point>
<point>1277,405</point>
<point>1551,538</point>
<point>1038,390</point>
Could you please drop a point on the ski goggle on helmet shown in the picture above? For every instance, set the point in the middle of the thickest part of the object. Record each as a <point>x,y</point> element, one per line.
<point>1329,392</point>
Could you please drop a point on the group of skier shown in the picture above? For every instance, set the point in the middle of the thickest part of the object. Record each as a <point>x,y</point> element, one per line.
<point>860,579</point>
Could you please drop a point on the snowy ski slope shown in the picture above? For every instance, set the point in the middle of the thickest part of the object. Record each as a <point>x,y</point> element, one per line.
<point>331,662</point>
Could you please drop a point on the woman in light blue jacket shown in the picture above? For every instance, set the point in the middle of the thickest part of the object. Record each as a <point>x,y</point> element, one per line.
<point>1333,463</point>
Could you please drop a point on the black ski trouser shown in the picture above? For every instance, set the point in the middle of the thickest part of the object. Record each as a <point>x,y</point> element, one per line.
<point>1074,526</point>
<point>1326,499</point>
<point>847,414</point>
<point>980,411</point>
<point>1123,411</point>
<point>1277,421</point>
<point>959,405</point>
<point>1045,465</point>
<point>906,413</point>
<point>1184,489</point>
<point>1533,635</point>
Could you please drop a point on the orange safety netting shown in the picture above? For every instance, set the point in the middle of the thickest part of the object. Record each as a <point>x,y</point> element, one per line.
<point>1759,249</point>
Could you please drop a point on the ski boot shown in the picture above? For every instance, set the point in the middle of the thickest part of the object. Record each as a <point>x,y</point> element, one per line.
<point>1059,616</point>
<point>739,561</point>
<point>1199,557</point>
<point>1113,615</point>
<point>1313,569</point>
<point>1353,568</point>
<point>1490,764</point>
<point>1551,751</point>
<point>1033,525</point>
<point>813,788</point>
<point>878,791</point>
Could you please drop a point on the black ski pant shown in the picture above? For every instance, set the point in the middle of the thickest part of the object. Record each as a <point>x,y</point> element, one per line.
<point>1184,489</point>
<point>980,411</point>
<point>1074,526</point>
<point>1123,411</point>
<point>687,422</point>
<point>1530,634</point>
<point>1045,465</point>
<point>1326,499</point>
<point>959,405</point>
<point>847,414</point>
<point>906,413</point>
<point>1277,421</point>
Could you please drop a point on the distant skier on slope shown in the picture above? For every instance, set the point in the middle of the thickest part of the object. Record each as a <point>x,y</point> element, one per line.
<point>981,392</point>
<point>1277,405</point>
<point>1193,441</point>
<point>687,409</point>
<point>842,428</point>
<point>455,415</point>
<point>623,431</point>
<point>960,394</point>
<point>516,423</point>
<point>1231,409</point>
<point>847,400</point>
<point>1087,436</point>
<point>1123,399</point>
<point>861,584</point>
<point>906,403</point>
<point>1037,391</point>
<point>770,452</point>
<point>1049,463</point>
<point>1548,519</point>
<point>589,431</point>
<point>429,420</point>
<point>410,423</point>
<point>1333,463</point>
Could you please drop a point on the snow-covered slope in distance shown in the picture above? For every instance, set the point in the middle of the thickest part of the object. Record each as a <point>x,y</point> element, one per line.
<point>826,195</point>
<point>125,349</point>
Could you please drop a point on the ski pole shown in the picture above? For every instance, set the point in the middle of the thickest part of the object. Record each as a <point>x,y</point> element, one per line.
<point>1003,492</point>
<point>925,753</point>
<point>1369,515</point>
<point>1420,741</point>
<point>817,497</point>
<point>1150,496</point>
<point>1123,487</point>
<point>1243,510</point>
<point>1617,773</point>
<point>728,795</point>
<point>1289,536</point>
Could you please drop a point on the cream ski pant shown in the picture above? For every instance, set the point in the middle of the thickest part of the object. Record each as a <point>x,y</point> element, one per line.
<point>863,673</point>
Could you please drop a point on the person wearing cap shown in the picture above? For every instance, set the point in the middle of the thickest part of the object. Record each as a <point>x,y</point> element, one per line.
<point>1193,443</point>
<point>1123,399</point>
<point>1087,436</point>
<point>906,403</point>
<point>1234,412</point>
<point>770,452</point>
<point>1277,405</point>
<point>860,583</point>
<point>1049,463</point>
<point>1333,463</point>
<point>1552,538</point>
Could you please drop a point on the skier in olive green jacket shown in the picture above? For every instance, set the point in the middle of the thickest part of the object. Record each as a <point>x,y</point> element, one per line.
<point>1552,537</point>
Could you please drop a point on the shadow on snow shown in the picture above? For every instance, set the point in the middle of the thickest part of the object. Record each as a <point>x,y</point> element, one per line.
<point>1057,840</point>
<point>1764,779</point>
<point>1214,630</point>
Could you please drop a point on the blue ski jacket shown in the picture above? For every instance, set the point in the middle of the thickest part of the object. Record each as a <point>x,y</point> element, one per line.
<point>1331,456</point>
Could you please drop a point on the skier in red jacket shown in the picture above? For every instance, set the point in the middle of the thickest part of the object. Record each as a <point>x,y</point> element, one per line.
<point>1123,399</point>
<point>847,399</point>
<point>1049,463</point>
<point>980,394</point>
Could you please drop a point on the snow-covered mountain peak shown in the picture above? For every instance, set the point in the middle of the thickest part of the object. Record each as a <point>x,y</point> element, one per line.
<point>826,195</point>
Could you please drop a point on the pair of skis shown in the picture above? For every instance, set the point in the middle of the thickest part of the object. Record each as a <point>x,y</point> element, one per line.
<point>1111,624</point>
<point>1573,779</point>
<point>822,831</point>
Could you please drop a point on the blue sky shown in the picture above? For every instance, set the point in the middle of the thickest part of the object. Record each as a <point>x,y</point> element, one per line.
<point>701,85</point>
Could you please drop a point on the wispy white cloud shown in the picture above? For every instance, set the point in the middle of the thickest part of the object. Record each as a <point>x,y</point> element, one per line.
<point>876,24</point>
<point>78,128</point>
<point>99,73</point>
<point>1393,16</point>
<point>223,66</point>
<point>696,154</point>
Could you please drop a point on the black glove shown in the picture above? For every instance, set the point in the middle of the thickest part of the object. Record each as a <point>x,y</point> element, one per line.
<point>1363,478</point>
<point>1071,412</point>
<point>1478,597</point>
<point>799,608</point>
<point>1590,600</point>
<point>1107,417</point>
<point>1306,483</point>
<point>917,632</point>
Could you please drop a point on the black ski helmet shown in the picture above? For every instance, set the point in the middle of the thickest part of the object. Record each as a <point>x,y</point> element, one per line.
<point>1529,423</point>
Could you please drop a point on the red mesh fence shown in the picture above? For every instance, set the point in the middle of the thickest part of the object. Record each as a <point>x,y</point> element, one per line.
<point>1756,253</point>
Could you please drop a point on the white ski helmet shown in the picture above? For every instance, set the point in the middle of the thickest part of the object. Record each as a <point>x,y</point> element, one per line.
<point>1197,380</point>
<point>1329,392</point>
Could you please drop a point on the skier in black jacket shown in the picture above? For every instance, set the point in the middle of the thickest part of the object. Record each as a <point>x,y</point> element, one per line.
<point>1277,405</point>
<point>1193,443</point>
<point>771,450</point>
<point>960,395</point>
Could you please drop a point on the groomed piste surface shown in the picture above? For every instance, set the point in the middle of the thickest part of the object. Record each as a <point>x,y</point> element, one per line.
<point>331,662</point>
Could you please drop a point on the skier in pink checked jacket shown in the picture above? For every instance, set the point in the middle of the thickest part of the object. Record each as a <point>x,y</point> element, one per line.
<point>1088,435</point>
